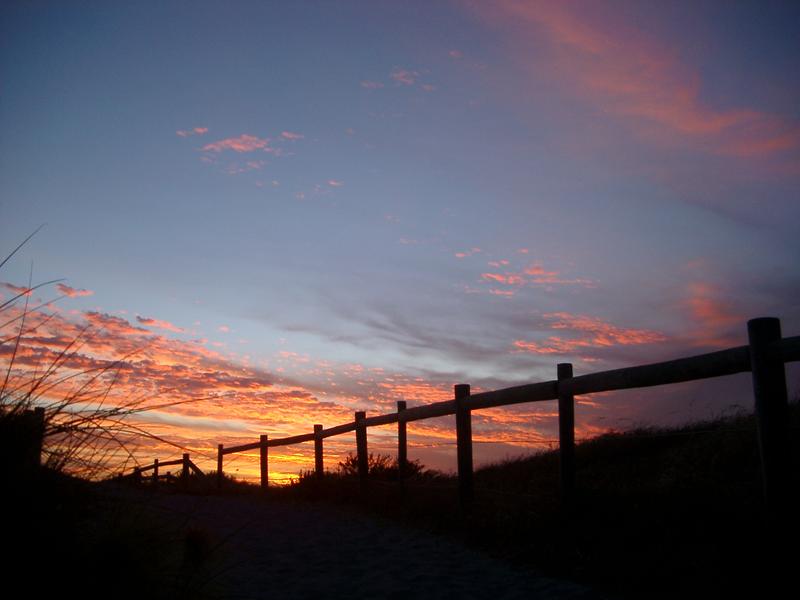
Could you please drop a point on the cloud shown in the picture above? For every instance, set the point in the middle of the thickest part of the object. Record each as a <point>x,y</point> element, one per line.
<point>165,325</point>
<point>288,135</point>
<point>371,85</point>
<point>72,292</point>
<point>504,279</point>
<point>586,332</point>
<point>18,289</point>
<point>637,78</point>
<point>404,76</point>
<point>190,132</point>
<point>456,54</point>
<point>714,321</point>
<point>243,143</point>
<point>335,183</point>
<point>112,324</point>
<point>466,253</point>
<point>532,275</point>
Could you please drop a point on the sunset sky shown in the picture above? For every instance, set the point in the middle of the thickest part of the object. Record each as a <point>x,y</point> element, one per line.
<point>295,210</point>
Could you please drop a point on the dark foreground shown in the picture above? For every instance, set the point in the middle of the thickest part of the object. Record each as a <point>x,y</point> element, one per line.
<point>657,514</point>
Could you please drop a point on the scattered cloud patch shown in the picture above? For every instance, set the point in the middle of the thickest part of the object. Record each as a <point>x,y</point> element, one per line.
<point>585,332</point>
<point>190,132</point>
<point>466,253</point>
<point>72,292</point>
<point>158,324</point>
<point>289,135</point>
<point>243,143</point>
<point>404,76</point>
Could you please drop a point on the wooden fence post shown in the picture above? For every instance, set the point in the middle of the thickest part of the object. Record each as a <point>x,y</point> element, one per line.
<point>319,465</point>
<point>264,453</point>
<point>772,411</point>
<point>220,476</point>
<point>566,436</point>
<point>402,443</point>
<point>464,445</point>
<point>155,472</point>
<point>185,468</point>
<point>361,447</point>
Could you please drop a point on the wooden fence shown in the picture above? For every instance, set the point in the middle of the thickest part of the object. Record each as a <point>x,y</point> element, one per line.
<point>187,466</point>
<point>764,356</point>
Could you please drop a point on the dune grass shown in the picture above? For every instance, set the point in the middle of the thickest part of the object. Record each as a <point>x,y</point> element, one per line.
<point>658,513</point>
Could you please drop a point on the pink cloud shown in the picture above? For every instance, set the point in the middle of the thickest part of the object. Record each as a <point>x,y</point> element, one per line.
<point>243,143</point>
<point>617,68</point>
<point>224,329</point>
<point>507,279</point>
<point>17,289</point>
<point>466,253</point>
<point>72,292</point>
<point>194,131</point>
<point>335,183</point>
<point>371,85</point>
<point>165,325</point>
<point>289,135</point>
<point>404,76</point>
<point>457,54</point>
<point>712,315</point>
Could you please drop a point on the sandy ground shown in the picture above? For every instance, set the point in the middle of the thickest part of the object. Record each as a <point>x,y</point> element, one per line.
<point>278,550</point>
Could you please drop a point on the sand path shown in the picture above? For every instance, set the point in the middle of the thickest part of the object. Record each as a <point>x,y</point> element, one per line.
<point>277,550</point>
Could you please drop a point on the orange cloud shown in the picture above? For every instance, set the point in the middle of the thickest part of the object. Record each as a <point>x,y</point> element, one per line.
<point>243,143</point>
<point>534,274</point>
<point>507,279</point>
<point>72,292</point>
<point>587,332</point>
<point>165,325</point>
<point>637,78</point>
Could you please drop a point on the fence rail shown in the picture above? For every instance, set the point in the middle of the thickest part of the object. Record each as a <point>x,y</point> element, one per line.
<point>764,356</point>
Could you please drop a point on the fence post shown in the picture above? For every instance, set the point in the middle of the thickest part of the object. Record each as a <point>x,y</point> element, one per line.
<point>402,442</point>
<point>185,468</point>
<point>566,436</point>
<point>220,476</point>
<point>361,447</point>
<point>464,445</point>
<point>155,472</point>
<point>319,465</point>
<point>264,452</point>
<point>772,411</point>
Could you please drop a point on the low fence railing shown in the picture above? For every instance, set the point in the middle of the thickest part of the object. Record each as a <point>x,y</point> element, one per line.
<point>764,356</point>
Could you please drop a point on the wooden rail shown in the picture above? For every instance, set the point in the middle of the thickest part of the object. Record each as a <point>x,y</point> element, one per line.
<point>764,356</point>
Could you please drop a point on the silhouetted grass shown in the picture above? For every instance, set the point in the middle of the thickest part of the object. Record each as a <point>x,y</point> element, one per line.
<point>658,512</point>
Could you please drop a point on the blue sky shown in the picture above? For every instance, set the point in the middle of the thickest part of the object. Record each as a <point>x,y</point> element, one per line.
<point>453,191</point>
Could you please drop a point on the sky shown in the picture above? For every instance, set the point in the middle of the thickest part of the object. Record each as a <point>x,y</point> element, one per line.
<point>286,212</point>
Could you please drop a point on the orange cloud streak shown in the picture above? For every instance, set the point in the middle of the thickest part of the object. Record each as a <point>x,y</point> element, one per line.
<point>637,78</point>
<point>588,332</point>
